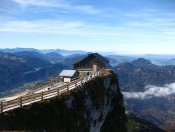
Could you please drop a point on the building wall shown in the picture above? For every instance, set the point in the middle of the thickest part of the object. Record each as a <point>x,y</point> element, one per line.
<point>69,79</point>
<point>66,79</point>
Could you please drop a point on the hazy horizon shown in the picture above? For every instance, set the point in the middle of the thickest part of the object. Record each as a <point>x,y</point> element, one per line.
<point>101,52</point>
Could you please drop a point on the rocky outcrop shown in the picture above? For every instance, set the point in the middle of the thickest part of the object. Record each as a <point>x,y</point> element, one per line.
<point>95,106</point>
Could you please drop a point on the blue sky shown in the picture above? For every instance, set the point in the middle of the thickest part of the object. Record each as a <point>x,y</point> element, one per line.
<point>122,26</point>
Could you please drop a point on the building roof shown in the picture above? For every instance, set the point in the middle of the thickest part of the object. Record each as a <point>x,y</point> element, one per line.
<point>101,57</point>
<point>93,55</point>
<point>67,73</point>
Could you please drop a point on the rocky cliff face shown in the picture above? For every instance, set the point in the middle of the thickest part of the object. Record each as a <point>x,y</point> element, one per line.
<point>95,106</point>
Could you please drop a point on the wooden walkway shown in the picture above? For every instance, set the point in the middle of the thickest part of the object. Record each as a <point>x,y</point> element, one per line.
<point>36,97</point>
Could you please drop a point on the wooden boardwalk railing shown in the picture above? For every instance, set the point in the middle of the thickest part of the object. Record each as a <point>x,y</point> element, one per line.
<point>36,97</point>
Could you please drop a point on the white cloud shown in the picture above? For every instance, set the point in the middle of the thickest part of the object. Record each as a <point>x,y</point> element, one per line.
<point>35,2</point>
<point>44,26</point>
<point>152,91</point>
<point>144,13</point>
<point>138,23</point>
<point>162,26</point>
<point>137,15</point>
<point>87,8</point>
<point>69,28</point>
<point>60,4</point>
<point>152,22</point>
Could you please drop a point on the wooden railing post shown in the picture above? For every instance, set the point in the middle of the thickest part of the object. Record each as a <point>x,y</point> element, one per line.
<point>20,101</point>
<point>58,92</point>
<point>1,107</point>
<point>76,84</point>
<point>67,87</point>
<point>41,95</point>
<point>81,81</point>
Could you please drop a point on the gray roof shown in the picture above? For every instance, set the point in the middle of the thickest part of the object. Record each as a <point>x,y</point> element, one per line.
<point>67,73</point>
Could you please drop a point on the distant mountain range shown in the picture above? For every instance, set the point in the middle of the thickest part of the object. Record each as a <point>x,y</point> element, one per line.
<point>27,66</point>
<point>159,59</point>
<point>113,57</point>
<point>137,74</point>
<point>117,59</point>
<point>44,51</point>
<point>33,61</point>
<point>148,90</point>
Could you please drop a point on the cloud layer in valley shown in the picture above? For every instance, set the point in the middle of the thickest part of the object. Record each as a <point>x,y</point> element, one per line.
<point>152,91</point>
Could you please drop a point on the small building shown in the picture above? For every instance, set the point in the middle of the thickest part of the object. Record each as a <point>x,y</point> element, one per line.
<point>69,75</point>
<point>92,63</point>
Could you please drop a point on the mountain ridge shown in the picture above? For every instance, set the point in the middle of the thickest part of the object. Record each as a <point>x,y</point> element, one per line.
<point>145,87</point>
